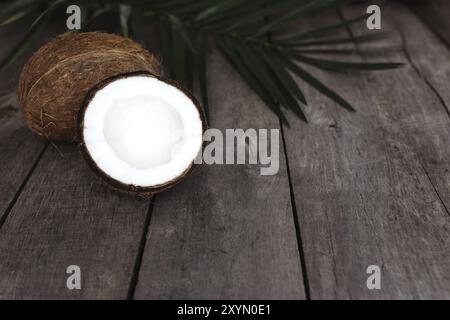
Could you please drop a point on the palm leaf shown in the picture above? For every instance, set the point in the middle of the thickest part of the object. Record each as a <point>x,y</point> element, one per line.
<point>318,85</point>
<point>258,15</point>
<point>238,27</point>
<point>15,10</point>
<point>315,33</point>
<point>46,11</point>
<point>17,16</point>
<point>182,31</point>
<point>201,65</point>
<point>283,75</point>
<point>340,40</point>
<point>178,52</point>
<point>310,7</point>
<point>236,60</point>
<point>345,66</point>
<point>269,79</point>
<point>23,45</point>
<point>348,29</point>
<point>137,32</point>
<point>165,40</point>
<point>219,7</point>
<point>124,16</point>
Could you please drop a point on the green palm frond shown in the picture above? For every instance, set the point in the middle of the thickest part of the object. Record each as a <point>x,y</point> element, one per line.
<point>239,28</point>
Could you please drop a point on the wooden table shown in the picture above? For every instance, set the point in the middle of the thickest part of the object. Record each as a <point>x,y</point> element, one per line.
<point>353,190</point>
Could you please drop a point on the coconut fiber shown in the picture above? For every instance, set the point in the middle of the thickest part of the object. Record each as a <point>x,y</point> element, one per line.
<point>56,79</point>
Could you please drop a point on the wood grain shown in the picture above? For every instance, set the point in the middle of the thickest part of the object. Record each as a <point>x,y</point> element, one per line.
<point>226,232</point>
<point>19,148</point>
<point>63,217</point>
<point>435,14</point>
<point>433,67</point>
<point>362,183</point>
<point>371,187</point>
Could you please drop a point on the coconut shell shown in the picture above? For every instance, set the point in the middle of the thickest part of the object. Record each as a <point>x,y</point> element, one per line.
<point>56,79</point>
<point>133,190</point>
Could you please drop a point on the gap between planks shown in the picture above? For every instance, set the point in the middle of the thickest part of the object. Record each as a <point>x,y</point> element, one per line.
<point>296,218</point>
<point>22,186</point>
<point>141,250</point>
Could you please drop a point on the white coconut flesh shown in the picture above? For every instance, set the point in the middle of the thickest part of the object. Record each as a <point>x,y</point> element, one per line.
<point>142,131</point>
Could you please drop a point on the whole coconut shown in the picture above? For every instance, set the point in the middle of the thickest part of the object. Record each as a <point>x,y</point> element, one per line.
<point>56,79</point>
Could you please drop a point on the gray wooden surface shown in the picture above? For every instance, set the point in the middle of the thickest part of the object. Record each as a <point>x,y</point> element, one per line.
<point>435,14</point>
<point>19,148</point>
<point>364,183</point>
<point>353,190</point>
<point>227,232</point>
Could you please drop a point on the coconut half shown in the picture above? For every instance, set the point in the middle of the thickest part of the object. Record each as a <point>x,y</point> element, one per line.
<point>139,133</point>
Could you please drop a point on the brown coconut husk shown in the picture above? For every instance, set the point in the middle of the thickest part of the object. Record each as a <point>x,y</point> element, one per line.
<point>133,190</point>
<point>56,79</point>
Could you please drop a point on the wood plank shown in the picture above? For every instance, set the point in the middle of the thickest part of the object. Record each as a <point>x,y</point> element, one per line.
<point>19,148</point>
<point>226,232</point>
<point>435,13</point>
<point>63,216</point>
<point>361,185</point>
<point>433,66</point>
<point>66,217</point>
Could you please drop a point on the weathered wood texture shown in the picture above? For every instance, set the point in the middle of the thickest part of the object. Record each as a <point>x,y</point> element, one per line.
<point>436,14</point>
<point>363,185</point>
<point>19,148</point>
<point>430,59</point>
<point>63,217</point>
<point>371,187</point>
<point>226,232</point>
